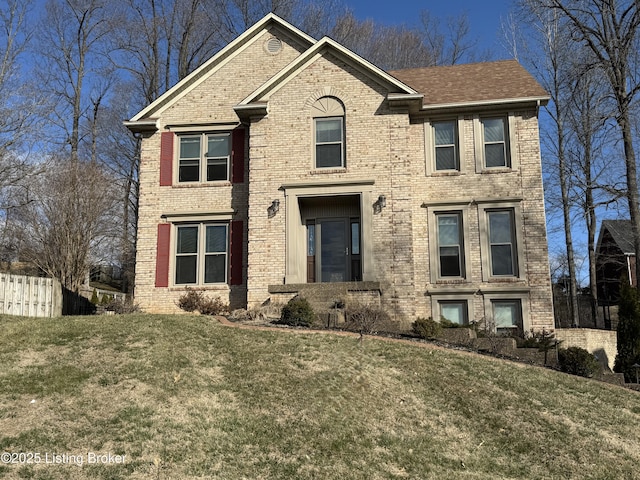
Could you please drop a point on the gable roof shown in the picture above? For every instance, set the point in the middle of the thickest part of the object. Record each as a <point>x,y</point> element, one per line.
<point>479,83</point>
<point>621,233</point>
<point>314,52</point>
<point>218,60</point>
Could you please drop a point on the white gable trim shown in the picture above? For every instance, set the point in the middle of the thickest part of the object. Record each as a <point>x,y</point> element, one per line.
<point>316,51</point>
<point>217,61</point>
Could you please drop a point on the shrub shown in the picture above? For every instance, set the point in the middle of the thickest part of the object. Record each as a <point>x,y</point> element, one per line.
<point>426,328</point>
<point>365,319</point>
<point>297,313</point>
<point>445,323</point>
<point>628,332</point>
<point>578,361</point>
<point>122,306</point>
<point>194,300</point>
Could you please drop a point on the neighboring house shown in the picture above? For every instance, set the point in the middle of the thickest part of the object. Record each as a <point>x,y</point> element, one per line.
<point>615,260</point>
<point>286,164</point>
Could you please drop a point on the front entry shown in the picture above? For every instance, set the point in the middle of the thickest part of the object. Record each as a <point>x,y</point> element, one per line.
<point>333,238</point>
<point>333,250</point>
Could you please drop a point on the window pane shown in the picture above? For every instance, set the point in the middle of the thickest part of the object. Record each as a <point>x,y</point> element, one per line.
<point>444,133</point>
<point>186,269</point>
<point>454,311</point>
<point>329,130</point>
<point>216,169</point>
<point>446,158</point>
<point>216,239</point>
<point>215,269</point>
<point>187,240</point>
<point>218,146</point>
<point>448,230</point>
<point>311,240</point>
<point>506,314</point>
<point>450,262</point>
<point>494,155</point>
<point>190,147</point>
<point>328,156</point>
<point>501,260</point>
<point>500,227</point>
<point>355,238</point>
<point>493,129</point>
<point>189,171</point>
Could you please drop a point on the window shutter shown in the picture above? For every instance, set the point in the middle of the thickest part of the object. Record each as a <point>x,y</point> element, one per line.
<point>235,248</point>
<point>237,155</point>
<point>162,255</point>
<point>166,159</point>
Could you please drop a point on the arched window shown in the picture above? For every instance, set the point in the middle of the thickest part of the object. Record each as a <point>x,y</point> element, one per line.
<point>328,132</point>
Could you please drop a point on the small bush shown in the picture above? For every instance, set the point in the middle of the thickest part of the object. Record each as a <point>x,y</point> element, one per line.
<point>578,361</point>
<point>195,300</point>
<point>426,328</point>
<point>365,319</point>
<point>122,307</point>
<point>297,313</point>
<point>94,297</point>
<point>444,323</point>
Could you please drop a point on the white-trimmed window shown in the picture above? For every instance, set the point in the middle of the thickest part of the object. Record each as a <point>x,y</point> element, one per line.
<point>445,140</point>
<point>204,157</point>
<point>329,142</point>
<point>201,253</point>
<point>450,244</point>
<point>502,243</point>
<point>507,316</point>
<point>496,148</point>
<point>501,240</point>
<point>455,311</point>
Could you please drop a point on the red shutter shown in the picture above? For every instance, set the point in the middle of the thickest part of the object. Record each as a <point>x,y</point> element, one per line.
<point>235,249</point>
<point>162,255</point>
<point>237,155</point>
<point>166,159</point>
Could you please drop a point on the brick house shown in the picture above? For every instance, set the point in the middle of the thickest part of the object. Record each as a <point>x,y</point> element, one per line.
<point>288,165</point>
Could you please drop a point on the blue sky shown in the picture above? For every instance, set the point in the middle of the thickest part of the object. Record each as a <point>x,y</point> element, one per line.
<point>484,15</point>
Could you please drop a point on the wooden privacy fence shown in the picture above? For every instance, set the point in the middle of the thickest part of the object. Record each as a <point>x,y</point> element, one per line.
<point>30,296</point>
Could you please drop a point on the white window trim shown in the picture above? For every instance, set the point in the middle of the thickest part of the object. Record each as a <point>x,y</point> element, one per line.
<point>343,143</point>
<point>203,159</point>
<point>489,298</point>
<point>485,250</point>
<point>513,160</point>
<point>201,255</point>
<point>430,147</point>
<point>434,254</point>
<point>453,297</point>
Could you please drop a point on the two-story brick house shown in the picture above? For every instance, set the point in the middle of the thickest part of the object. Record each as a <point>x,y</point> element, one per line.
<point>286,164</point>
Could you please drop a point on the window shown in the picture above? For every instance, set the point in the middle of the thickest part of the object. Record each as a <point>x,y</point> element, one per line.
<point>454,310</point>
<point>495,144</point>
<point>507,315</point>
<point>450,250</point>
<point>204,157</point>
<point>448,227</point>
<point>201,254</point>
<point>502,243</point>
<point>445,141</point>
<point>329,140</point>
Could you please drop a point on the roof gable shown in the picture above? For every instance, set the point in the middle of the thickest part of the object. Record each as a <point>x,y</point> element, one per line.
<point>218,60</point>
<point>621,233</point>
<point>475,83</point>
<point>321,48</point>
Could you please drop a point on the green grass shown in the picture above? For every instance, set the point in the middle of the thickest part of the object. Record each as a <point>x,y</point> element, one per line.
<point>184,397</point>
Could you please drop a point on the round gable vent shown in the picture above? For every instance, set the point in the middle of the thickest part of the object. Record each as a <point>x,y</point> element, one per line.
<point>273,45</point>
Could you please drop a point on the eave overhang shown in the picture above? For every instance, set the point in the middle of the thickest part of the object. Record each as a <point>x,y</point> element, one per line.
<point>149,125</point>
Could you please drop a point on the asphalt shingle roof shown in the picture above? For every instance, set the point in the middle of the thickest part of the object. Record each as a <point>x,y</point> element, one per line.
<point>474,82</point>
<point>621,232</point>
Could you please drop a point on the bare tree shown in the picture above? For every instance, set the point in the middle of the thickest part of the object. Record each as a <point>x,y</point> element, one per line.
<point>609,28</point>
<point>68,220</point>
<point>72,38</point>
